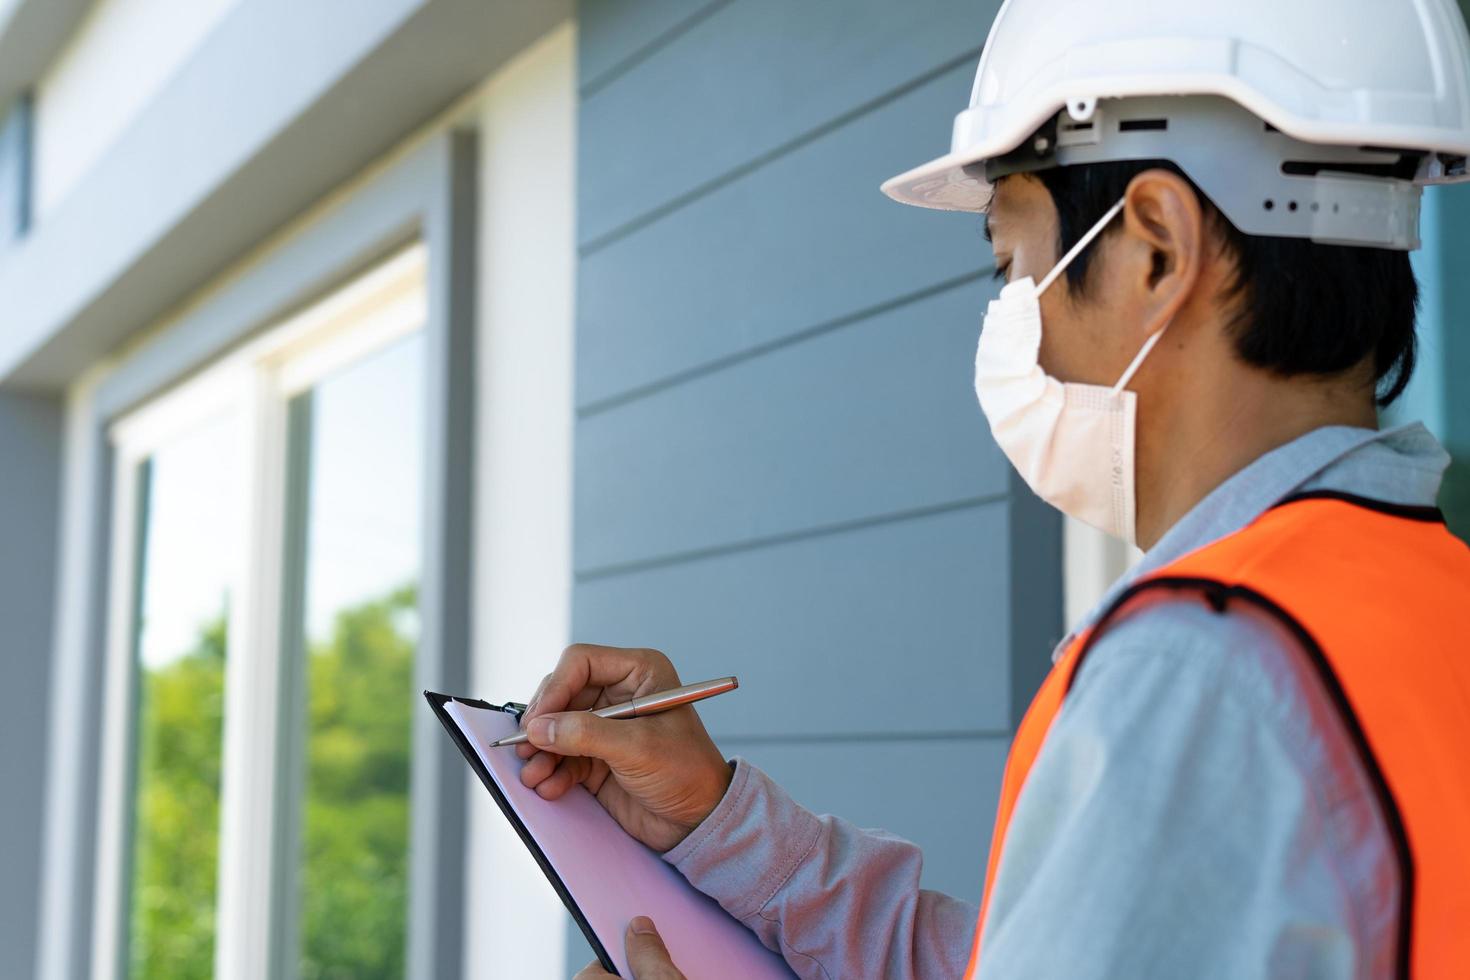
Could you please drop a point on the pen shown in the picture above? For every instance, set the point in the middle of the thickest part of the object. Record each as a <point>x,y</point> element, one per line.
<point>650,704</point>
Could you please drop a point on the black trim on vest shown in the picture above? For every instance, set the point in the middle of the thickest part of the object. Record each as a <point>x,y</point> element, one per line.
<point>1429,515</point>
<point>1219,596</point>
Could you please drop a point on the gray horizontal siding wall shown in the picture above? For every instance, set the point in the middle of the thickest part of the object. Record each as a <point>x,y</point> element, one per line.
<point>781,471</point>
<point>30,490</point>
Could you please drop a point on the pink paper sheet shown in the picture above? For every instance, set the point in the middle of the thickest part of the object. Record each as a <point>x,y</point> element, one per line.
<point>613,877</point>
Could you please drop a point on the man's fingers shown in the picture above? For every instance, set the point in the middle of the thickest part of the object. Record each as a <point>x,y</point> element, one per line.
<point>647,954</point>
<point>588,698</point>
<point>585,665</point>
<point>536,697</point>
<point>617,742</point>
<point>570,771</point>
<point>539,768</point>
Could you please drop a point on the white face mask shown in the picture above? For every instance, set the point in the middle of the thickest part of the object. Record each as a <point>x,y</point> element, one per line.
<point>1072,443</point>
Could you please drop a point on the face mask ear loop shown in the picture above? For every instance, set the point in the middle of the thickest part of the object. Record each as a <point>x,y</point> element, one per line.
<point>1085,241</point>
<point>1148,345</point>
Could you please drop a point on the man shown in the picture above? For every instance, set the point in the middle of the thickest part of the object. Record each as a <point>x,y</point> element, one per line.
<point>1250,759</point>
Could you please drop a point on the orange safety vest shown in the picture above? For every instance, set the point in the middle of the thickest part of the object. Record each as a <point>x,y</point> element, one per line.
<point>1379,596</point>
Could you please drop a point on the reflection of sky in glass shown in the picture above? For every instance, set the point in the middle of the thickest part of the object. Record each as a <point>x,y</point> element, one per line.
<point>366,452</point>
<point>193,520</point>
<point>365,502</point>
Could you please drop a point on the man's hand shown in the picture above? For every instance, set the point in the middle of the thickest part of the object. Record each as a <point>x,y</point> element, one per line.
<point>647,955</point>
<point>659,775</point>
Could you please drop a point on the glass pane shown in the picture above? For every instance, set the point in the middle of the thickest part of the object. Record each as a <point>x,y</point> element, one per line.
<point>189,507</point>
<point>362,433</point>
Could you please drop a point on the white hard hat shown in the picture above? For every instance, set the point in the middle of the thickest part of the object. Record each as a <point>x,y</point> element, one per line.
<point>1315,119</point>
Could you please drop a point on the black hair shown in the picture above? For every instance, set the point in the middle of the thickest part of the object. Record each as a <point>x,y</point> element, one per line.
<point>1301,307</point>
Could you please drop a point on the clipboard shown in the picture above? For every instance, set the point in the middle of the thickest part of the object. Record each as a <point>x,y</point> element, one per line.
<point>604,873</point>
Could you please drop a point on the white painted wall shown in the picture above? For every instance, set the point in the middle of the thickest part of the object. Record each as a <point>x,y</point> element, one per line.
<point>523,566</point>
<point>121,55</point>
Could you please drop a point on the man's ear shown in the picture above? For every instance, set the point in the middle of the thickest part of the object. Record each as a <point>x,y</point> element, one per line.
<point>1165,227</point>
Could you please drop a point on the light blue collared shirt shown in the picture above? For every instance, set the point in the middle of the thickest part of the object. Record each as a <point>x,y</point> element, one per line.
<point>1195,811</point>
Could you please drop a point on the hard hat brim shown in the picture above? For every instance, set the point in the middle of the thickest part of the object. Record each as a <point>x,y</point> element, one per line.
<point>943,184</point>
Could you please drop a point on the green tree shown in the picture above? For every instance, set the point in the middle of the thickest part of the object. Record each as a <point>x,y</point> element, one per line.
<point>354,874</point>
<point>353,878</point>
<point>176,820</point>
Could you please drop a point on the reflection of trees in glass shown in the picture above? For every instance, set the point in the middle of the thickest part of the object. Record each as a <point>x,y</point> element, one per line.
<point>176,830</point>
<point>354,877</point>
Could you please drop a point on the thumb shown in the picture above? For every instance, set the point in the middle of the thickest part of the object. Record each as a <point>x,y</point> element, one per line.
<point>617,743</point>
<point>647,955</point>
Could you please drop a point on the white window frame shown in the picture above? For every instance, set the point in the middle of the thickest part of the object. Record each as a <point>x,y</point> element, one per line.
<point>527,256</point>
<point>254,385</point>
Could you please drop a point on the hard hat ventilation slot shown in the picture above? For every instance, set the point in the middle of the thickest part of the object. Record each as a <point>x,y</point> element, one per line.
<point>1135,125</point>
<point>1403,168</point>
<point>1079,132</point>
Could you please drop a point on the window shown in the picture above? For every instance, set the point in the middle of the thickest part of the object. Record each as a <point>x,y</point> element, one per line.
<point>356,474</point>
<point>262,648</point>
<point>186,495</point>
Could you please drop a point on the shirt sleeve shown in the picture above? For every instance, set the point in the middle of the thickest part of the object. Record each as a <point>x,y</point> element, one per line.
<point>835,901</point>
<point>1179,821</point>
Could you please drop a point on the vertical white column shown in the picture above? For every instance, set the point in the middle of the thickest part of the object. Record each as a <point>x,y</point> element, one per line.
<point>115,763</point>
<point>60,950</point>
<point>523,568</point>
<point>1091,562</point>
<point>248,783</point>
